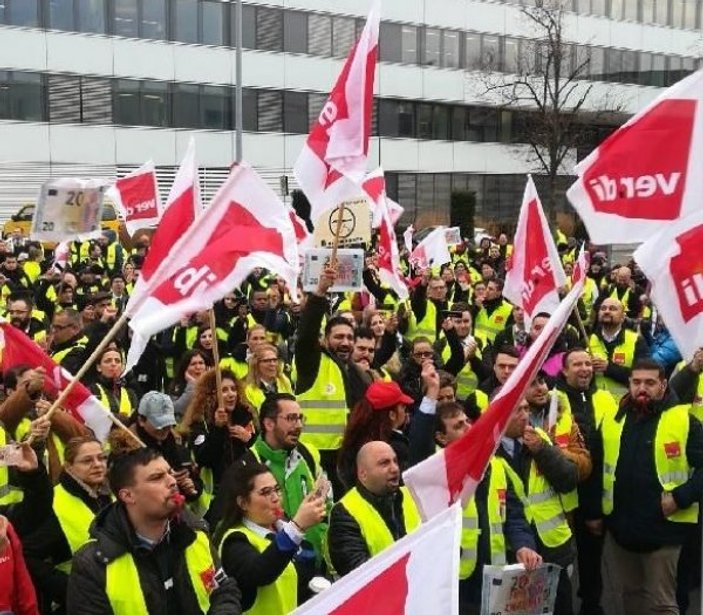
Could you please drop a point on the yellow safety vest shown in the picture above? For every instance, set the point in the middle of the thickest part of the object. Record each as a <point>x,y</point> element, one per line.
<point>325,407</point>
<point>32,270</point>
<point>669,457</point>
<point>279,597</point>
<point>696,408</point>
<point>61,354</point>
<point>240,369</point>
<point>542,504</point>
<point>125,404</point>
<point>562,437</point>
<point>75,518</point>
<point>624,355</point>
<point>466,379</point>
<point>373,528</point>
<point>256,396</point>
<point>482,400</point>
<point>124,590</point>
<point>496,507</point>
<point>487,327</point>
<point>625,298</point>
<point>427,327</point>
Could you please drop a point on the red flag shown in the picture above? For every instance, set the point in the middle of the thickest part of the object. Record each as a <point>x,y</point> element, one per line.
<point>583,262</point>
<point>302,235</point>
<point>332,162</point>
<point>19,349</point>
<point>375,187</point>
<point>417,575</point>
<point>453,473</point>
<point>673,261</point>
<point>245,226</point>
<point>432,251</point>
<point>647,172</point>
<point>535,273</point>
<point>137,197</point>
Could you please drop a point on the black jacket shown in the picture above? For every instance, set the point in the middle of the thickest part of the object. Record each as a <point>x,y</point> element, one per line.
<point>47,547</point>
<point>347,546</point>
<point>685,384</point>
<point>27,515</point>
<point>637,522</point>
<point>114,536</point>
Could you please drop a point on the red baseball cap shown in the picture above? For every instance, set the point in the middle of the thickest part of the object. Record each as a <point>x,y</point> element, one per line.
<point>385,395</point>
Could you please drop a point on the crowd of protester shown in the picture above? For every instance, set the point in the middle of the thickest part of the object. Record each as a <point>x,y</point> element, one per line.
<point>283,465</point>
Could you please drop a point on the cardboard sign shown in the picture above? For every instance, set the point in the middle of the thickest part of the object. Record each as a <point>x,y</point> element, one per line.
<point>453,236</point>
<point>355,228</point>
<point>514,590</point>
<point>68,209</point>
<point>350,266</point>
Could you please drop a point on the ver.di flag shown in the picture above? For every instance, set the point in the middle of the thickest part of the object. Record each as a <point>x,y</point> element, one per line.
<point>453,473</point>
<point>137,198</point>
<point>672,260</point>
<point>647,173</point>
<point>332,163</point>
<point>432,251</point>
<point>19,349</point>
<point>534,274</point>
<point>417,575</point>
<point>245,226</point>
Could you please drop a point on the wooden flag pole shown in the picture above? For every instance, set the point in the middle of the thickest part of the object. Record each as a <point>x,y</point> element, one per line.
<point>337,230</point>
<point>216,358</point>
<point>582,328</point>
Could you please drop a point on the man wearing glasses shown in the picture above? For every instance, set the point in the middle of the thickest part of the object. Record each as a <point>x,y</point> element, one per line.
<point>67,343</point>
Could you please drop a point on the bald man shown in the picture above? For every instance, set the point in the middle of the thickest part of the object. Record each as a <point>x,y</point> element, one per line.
<point>626,292</point>
<point>372,515</point>
<point>614,348</point>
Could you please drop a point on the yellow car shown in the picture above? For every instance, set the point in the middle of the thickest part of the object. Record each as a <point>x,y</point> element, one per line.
<point>22,220</point>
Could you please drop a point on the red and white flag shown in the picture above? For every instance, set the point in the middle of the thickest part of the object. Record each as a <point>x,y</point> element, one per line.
<point>245,226</point>
<point>408,238</point>
<point>647,172</point>
<point>453,473</point>
<point>62,254</point>
<point>302,235</point>
<point>137,198</point>
<point>19,349</point>
<point>672,260</point>
<point>432,251</point>
<point>534,273</point>
<point>581,266</point>
<point>332,163</point>
<point>417,575</point>
<point>374,186</point>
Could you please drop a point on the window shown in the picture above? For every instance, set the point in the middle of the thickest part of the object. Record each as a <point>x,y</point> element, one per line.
<point>472,51</point>
<point>648,14</point>
<point>391,42</point>
<point>21,12</point>
<point>450,49</point>
<point>320,35</point>
<point>185,17</point>
<point>213,21</point>
<point>613,69</point>
<point>596,64</point>
<point>424,121</point>
<point>662,14</point>
<point>511,55</point>
<point>629,67</point>
<point>154,107</point>
<point>409,44</point>
<point>64,98</point>
<point>689,66</point>
<point>644,76</point>
<point>440,124</point>
<point>248,26</point>
<point>214,112</point>
<point>388,118</point>
<point>630,10</point>
<point>490,53</point>
<point>153,21</point>
<point>659,70</point>
<point>295,112</point>
<point>295,32</point>
<point>459,123</point>
<point>186,111</point>
<point>126,102</point>
<point>432,47</point>
<point>616,8</point>
<point>249,110</point>
<point>406,120</point>
<point>675,70</point>
<point>91,16</point>
<point>677,12</point>
<point>96,100</point>
<point>483,124</point>
<point>126,18</point>
<point>342,36</point>
<point>27,99</point>
<point>61,15</point>
<point>270,111</point>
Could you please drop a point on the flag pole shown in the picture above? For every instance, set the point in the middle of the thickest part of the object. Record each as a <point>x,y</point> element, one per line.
<point>216,358</point>
<point>579,320</point>
<point>82,372</point>
<point>337,230</point>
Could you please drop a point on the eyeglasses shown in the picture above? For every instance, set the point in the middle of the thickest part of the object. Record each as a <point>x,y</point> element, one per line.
<point>269,360</point>
<point>87,461</point>
<point>267,492</point>
<point>426,354</point>
<point>292,419</point>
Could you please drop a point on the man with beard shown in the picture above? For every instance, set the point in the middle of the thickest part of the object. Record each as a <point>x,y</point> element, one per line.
<point>652,481</point>
<point>614,348</point>
<point>427,303</point>
<point>370,359</point>
<point>147,555</point>
<point>327,381</point>
<point>19,308</point>
<point>589,406</point>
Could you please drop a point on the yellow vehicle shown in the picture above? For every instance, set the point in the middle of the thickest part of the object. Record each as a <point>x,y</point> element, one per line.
<point>22,220</point>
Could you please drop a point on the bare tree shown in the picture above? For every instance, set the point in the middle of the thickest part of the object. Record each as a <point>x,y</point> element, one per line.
<point>551,83</point>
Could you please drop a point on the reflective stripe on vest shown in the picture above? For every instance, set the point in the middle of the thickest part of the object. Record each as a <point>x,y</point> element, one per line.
<point>669,452</point>
<point>255,394</point>
<point>497,493</point>
<point>125,403</point>
<point>279,597</point>
<point>623,355</point>
<point>427,327</point>
<point>75,518</point>
<point>487,327</point>
<point>373,528</point>
<point>325,407</point>
<point>61,354</point>
<point>124,590</point>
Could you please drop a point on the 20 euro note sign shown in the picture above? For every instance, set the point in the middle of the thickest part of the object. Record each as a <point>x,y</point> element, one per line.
<point>69,208</point>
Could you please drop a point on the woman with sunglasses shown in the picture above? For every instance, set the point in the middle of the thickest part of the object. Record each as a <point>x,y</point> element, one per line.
<point>258,547</point>
<point>265,376</point>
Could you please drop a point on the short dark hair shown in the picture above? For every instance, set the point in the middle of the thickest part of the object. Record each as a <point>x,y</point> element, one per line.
<point>498,282</point>
<point>645,363</point>
<point>20,295</point>
<point>11,376</point>
<point>120,474</point>
<point>446,380</point>
<point>446,410</point>
<point>461,306</point>
<point>364,333</point>
<point>542,315</point>
<point>569,352</point>
<point>270,409</point>
<point>335,321</point>
<point>511,351</point>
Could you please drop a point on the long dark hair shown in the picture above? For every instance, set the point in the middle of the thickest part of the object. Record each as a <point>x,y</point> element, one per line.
<point>238,483</point>
<point>178,384</point>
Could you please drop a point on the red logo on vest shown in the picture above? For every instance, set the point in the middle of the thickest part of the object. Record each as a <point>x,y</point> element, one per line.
<point>687,273</point>
<point>630,178</point>
<point>672,449</point>
<point>208,579</point>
